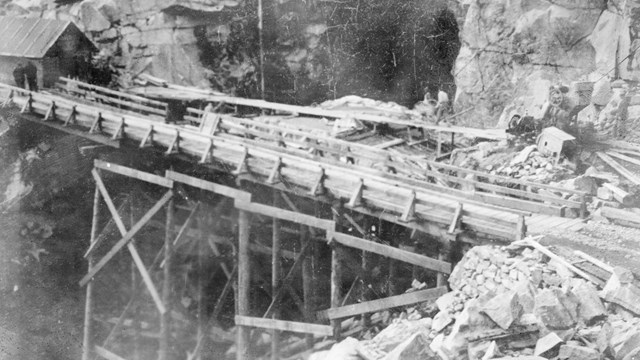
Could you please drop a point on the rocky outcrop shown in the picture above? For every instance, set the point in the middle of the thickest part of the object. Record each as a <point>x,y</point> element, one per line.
<point>513,51</point>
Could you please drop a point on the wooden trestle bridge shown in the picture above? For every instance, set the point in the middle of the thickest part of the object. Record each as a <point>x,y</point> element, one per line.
<point>313,193</point>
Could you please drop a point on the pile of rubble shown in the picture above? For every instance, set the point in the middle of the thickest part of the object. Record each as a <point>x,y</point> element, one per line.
<point>518,301</point>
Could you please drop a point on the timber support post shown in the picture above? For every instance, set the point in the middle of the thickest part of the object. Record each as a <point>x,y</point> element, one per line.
<point>165,320</point>
<point>87,343</point>
<point>244,284</point>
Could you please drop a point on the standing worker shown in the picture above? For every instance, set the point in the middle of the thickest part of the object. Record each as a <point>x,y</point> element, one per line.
<point>18,75</point>
<point>32,76</point>
<point>443,105</point>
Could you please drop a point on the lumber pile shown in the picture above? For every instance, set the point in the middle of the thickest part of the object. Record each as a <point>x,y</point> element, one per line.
<point>518,301</point>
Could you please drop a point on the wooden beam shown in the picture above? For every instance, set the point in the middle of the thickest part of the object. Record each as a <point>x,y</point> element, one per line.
<point>209,186</point>
<point>242,167</point>
<point>94,245</point>
<point>384,304</point>
<point>318,185</point>
<point>619,168</point>
<point>175,144</point>
<point>97,124</point>
<point>87,342</point>
<point>133,173</point>
<point>207,153</point>
<point>356,196</point>
<point>390,252</point>
<point>106,354</point>
<point>119,133</point>
<point>244,285</point>
<point>628,218</point>
<point>457,218</point>
<point>620,195</point>
<point>276,273</point>
<point>72,116</point>
<point>390,143</point>
<point>409,212</point>
<point>148,137</point>
<point>51,112</point>
<point>298,327</point>
<point>624,157</point>
<point>274,175</point>
<point>287,215</point>
<point>165,318</point>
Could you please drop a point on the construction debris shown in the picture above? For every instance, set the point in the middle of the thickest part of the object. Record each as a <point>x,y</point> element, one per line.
<point>520,301</point>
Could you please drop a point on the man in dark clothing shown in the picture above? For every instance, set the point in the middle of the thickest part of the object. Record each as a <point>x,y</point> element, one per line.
<point>18,75</point>
<point>32,76</point>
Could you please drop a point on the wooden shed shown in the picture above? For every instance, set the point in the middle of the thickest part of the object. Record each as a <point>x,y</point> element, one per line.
<point>57,48</point>
<point>553,141</point>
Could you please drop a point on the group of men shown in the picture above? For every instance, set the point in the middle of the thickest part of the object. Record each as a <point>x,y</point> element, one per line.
<point>432,108</point>
<point>26,74</point>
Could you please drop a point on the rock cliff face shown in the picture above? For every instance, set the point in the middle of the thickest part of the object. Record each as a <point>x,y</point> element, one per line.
<point>513,51</point>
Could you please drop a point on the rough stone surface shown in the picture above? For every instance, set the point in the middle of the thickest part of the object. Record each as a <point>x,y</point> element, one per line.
<point>415,347</point>
<point>512,52</point>
<point>504,309</point>
<point>555,309</point>
<point>590,308</point>
<point>548,344</point>
<point>574,352</point>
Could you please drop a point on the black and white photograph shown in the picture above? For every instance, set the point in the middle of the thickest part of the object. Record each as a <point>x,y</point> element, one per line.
<point>319,179</point>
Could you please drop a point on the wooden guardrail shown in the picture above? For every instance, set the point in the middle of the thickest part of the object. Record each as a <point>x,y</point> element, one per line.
<point>361,188</point>
<point>113,97</point>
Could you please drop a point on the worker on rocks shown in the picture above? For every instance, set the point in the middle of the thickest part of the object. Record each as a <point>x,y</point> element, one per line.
<point>19,76</point>
<point>31,72</point>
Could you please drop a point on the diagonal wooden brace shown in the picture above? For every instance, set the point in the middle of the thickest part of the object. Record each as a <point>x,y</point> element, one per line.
<point>457,218</point>
<point>51,112</point>
<point>175,144</point>
<point>410,210</point>
<point>207,153</point>
<point>126,241</point>
<point>97,124</point>
<point>356,197</point>
<point>28,106</point>
<point>147,137</point>
<point>297,263</point>
<point>275,175</point>
<point>242,165</point>
<point>72,116</point>
<point>119,133</point>
<point>318,186</point>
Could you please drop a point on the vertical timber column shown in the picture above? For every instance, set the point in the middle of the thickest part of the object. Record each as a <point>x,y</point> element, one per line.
<point>276,268</point>
<point>202,311</point>
<point>165,319</point>
<point>135,283</point>
<point>336,276</point>
<point>87,341</point>
<point>307,279</point>
<point>443,254</point>
<point>244,283</point>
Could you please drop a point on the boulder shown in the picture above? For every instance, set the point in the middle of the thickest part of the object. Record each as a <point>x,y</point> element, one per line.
<point>347,349</point>
<point>415,347</point>
<point>620,290</point>
<point>441,321</point>
<point>604,194</point>
<point>574,352</point>
<point>555,309</point>
<point>590,308</point>
<point>503,309</point>
<point>548,345</point>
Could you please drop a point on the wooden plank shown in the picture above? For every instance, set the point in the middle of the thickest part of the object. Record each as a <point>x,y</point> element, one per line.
<point>624,157</point>
<point>209,186</point>
<point>287,215</point>
<point>619,214</point>
<point>390,143</point>
<point>133,173</point>
<point>81,84</point>
<point>619,168</point>
<point>243,305</point>
<point>107,354</point>
<point>620,195</point>
<point>457,217</point>
<point>383,304</point>
<point>390,252</point>
<point>297,327</point>
<point>97,138</point>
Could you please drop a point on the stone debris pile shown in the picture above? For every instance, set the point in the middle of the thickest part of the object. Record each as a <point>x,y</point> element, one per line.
<point>514,302</point>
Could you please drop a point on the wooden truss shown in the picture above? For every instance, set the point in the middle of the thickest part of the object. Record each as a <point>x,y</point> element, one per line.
<point>319,231</point>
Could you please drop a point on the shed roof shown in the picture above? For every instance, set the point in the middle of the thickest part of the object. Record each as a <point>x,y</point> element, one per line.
<point>30,36</point>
